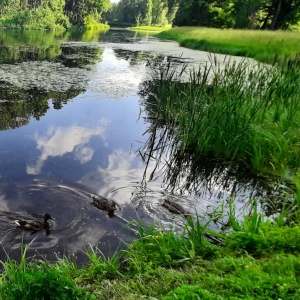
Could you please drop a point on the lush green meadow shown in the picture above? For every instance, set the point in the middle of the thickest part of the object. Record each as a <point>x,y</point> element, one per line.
<point>261,45</point>
<point>255,258</point>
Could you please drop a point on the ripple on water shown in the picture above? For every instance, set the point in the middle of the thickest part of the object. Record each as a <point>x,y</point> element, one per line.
<point>78,225</point>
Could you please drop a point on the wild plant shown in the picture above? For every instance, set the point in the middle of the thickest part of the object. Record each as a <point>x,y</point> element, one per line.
<point>260,235</point>
<point>157,246</point>
<point>238,112</point>
<point>36,279</point>
<point>265,46</point>
<point>154,248</point>
<point>100,267</point>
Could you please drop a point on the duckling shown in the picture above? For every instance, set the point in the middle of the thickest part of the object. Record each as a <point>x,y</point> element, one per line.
<point>104,204</point>
<point>174,207</point>
<point>35,225</point>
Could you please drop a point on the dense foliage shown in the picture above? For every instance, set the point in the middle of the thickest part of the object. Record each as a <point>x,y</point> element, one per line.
<point>59,14</point>
<point>53,14</point>
<point>144,12</point>
<point>258,14</point>
<point>81,12</point>
<point>255,14</point>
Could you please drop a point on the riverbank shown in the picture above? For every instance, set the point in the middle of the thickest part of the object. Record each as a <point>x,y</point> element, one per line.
<point>239,113</point>
<point>254,259</point>
<point>257,258</point>
<point>150,28</point>
<point>264,46</point>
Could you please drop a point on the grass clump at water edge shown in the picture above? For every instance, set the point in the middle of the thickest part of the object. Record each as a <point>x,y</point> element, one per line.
<point>235,111</point>
<point>38,279</point>
<point>246,264</point>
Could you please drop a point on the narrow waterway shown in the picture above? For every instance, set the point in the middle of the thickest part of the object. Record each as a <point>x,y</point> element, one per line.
<point>73,123</point>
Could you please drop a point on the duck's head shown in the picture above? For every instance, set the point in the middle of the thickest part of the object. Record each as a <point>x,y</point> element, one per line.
<point>112,207</point>
<point>48,217</point>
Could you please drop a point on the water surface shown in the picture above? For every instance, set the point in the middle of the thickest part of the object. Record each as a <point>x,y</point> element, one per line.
<point>73,123</point>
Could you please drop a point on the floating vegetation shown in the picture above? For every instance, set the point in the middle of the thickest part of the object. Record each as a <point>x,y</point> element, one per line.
<point>43,75</point>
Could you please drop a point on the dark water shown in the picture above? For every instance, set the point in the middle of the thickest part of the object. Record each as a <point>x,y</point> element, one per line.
<point>73,123</point>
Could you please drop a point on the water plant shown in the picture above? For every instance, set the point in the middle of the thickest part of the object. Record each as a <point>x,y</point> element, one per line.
<point>239,112</point>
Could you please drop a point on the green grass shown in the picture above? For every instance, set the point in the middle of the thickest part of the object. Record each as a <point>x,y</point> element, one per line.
<point>261,45</point>
<point>256,258</point>
<point>150,28</point>
<point>236,112</point>
<point>38,279</point>
<point>190,267</point>
<point>96,26</point>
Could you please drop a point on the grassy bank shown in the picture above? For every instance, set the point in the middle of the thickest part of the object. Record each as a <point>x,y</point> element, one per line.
<point>235,112</point>
<point>261,45</point>
<point>254,259</point>
<point>150,28</point>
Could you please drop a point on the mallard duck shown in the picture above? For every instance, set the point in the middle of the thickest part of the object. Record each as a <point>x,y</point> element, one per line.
<point>174,207</point>
<point>35,225</point>
<point>104,203</point>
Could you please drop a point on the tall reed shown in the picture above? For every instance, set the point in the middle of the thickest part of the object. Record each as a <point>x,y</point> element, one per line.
<point>235,111</point>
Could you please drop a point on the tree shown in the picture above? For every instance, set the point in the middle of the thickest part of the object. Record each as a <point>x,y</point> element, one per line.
<point>159,12</point>
<point>284,12</point>
<point>253,14</point>
<point>194,13</point>
<point>78,10</point>
<point>146,12</point>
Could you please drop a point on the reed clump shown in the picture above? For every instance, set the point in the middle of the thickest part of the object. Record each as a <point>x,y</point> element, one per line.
<point>239,112</point>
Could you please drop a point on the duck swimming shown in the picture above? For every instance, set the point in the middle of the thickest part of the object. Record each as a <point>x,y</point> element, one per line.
<point>35,225</point>
<point>174,208</point>
<point>104,203</point>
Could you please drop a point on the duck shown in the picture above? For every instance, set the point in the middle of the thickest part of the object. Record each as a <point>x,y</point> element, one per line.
<point>35,225</point>
<point>174,208</point>
<point>104,204</point>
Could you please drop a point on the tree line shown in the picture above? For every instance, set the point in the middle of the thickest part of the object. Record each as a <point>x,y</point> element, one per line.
<point>251,14</point>
<point>52,14</point>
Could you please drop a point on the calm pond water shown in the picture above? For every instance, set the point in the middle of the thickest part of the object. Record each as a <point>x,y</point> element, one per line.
<point>73,123</point>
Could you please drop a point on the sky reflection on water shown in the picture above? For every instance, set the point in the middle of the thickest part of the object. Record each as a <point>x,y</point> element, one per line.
<point>74,126</point>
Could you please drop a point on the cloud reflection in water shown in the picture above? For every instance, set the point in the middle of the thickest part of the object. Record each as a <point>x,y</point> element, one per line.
<point>119,178</point>
<point>62,140</point>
